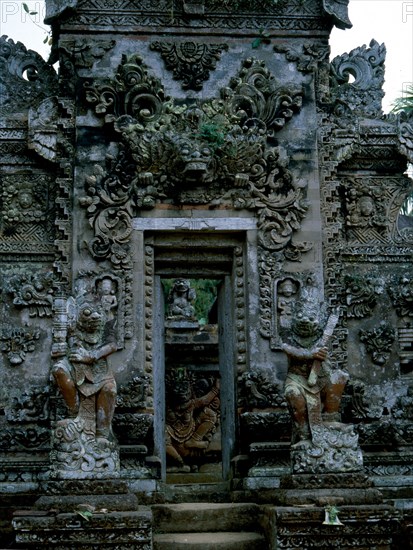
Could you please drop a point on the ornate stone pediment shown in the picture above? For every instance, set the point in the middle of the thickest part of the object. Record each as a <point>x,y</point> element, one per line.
<point>363,95</point>
<point>25,78</point>
<point>217,152</point>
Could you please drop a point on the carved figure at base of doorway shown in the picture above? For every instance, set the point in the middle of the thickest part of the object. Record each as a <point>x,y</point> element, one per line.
<point>180,301</point>
<point>191,421</point>
<point>83,444</point>
<point>313,390</point>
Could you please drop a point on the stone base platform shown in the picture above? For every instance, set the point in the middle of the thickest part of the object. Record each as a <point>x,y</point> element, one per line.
<point>328,490</point>
<point>85,515</point>
<point>362,527</point>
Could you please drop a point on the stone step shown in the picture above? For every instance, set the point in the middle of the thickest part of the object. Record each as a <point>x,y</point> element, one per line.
<point>197,517</point>
<point>209,541</point>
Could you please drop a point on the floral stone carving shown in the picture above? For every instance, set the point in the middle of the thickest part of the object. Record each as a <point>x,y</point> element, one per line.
<point>34,292</point>
<point>30,406</point>
<point>313,391</point>
<point>190,62</point>
<point>361,295</point>
<point>378,342</point>
<point>402,296</point>
<point>216,152</point>
<point>17,342</point>
<point>25,78</point>
<point>366,65</point>
<point>83,443</point>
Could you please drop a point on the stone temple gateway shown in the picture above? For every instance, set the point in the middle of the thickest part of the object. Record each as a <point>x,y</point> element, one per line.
<point>188,153</point>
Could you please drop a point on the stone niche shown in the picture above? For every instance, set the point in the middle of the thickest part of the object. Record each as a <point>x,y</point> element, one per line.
<point>188,153</point>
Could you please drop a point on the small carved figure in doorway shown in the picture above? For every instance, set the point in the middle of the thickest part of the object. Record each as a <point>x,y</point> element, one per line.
<point>180,301</point>
<point>191,420</point>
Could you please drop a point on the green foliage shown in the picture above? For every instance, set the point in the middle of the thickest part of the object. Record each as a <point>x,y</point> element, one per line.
<point>27,10</point>
<point>206,293</point>
<point>212,133</point>
<point>262,38</point>
<point>85,514</point>
<point>404,103</point>
<point>48,38</point>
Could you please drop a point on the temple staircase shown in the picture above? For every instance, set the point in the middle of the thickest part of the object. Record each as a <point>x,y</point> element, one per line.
<point>206,526</point>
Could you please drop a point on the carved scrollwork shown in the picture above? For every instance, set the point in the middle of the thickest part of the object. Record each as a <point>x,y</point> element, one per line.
<point>45,136</point>
<point>25,438</point>
<point>366,66</point>
<point>17,342</point>
<point>133,394</point>
<point>259,392</point>
<point>30,406</point>
<point>79,54</point>
<point>363,406</point>
<point>308,58</point>
<point>215,152</point>
<point>378,342</point>
<point>25,78</point>
<point>402,297</point>
<point>406,135</point>
<point>361,295</point>
<point>34,292</point>
<point>190,62</point>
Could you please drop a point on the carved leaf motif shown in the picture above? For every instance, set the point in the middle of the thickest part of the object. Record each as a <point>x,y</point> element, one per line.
<point>17,342</point>
<point>25,78</point>
<point>215,151</point>
<point>402,297</point>
<point>190,62</point>
<point>361,296</point>
<point>366,66</point>
<point>378,342</point>
<point>34,292</point>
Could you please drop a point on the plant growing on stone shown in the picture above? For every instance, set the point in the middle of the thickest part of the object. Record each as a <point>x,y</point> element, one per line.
<point>48,38</point>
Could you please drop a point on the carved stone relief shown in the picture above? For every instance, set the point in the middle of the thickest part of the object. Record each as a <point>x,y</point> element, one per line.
<point>260,392</point>
<point>27,213</point>
<point>17,342</point>
<point>378,342</point>
<point>216,14</point>
<point>169,151</point>
<point>84,336</point>
<point>34,292</point>
<point>192,417</point>
<point>26,79</point>
<point>366,65</point>
<point>30,406</point>
<point>360,295</point>
<point>190,62</point>
<point>79,54</point>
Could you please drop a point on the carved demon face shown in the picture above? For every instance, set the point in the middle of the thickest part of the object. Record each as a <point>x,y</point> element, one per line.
<point>196,158</point>
<point>90,318</point>
<point>306,323</point>
<point>181,286</point>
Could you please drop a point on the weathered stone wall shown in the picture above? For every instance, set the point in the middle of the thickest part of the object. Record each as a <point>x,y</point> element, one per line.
<point>228,127</point>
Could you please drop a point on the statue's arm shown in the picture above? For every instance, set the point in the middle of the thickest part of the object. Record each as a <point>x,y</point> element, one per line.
<point>205,400</point>
<point>319,353</point>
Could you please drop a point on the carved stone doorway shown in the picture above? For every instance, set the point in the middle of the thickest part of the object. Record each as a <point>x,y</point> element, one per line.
<point>197,363</point>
